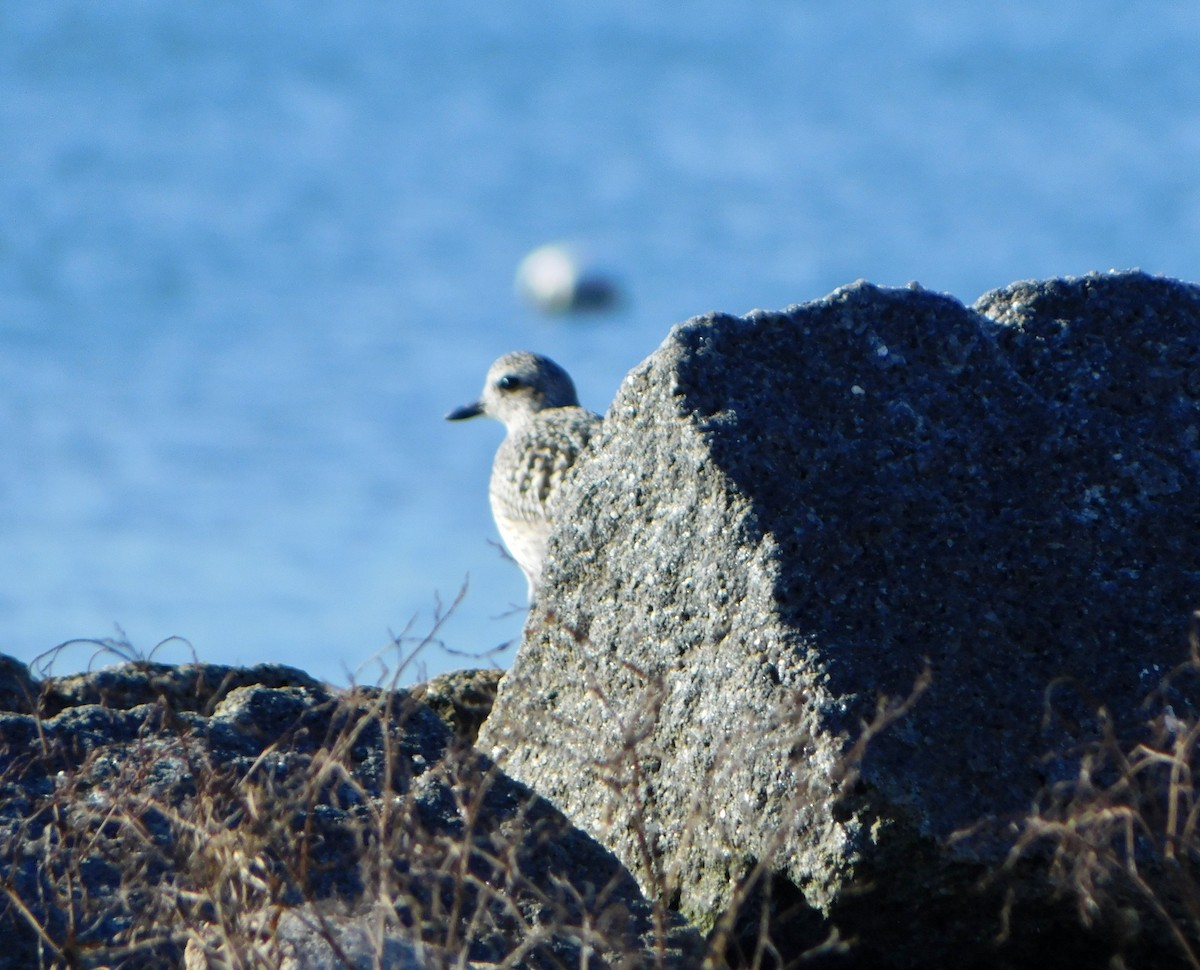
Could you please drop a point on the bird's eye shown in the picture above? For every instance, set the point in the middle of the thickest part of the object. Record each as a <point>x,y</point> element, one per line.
<point>508,382</point>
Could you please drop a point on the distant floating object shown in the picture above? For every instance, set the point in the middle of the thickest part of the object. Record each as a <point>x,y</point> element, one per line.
<point>556,279</point>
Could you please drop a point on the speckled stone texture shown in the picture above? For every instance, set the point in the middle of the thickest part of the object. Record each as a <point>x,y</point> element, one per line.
<point>787,514</point>
<point>461,698</point>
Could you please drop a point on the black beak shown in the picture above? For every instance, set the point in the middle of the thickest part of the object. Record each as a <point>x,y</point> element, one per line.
<point>466,411</point>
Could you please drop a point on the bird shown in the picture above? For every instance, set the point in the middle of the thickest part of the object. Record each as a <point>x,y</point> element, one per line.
<point>546,432</point>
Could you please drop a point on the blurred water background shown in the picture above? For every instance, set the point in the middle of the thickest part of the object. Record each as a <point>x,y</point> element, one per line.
<point>252,252</point>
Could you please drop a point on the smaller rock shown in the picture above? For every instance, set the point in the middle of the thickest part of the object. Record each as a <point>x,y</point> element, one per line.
<point>348,827</point>
<point>188,687</point>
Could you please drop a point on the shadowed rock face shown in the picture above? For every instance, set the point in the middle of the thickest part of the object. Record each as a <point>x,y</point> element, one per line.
<point>786,514</point>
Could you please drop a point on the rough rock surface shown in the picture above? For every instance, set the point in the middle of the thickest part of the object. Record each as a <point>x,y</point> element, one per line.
<point>186,687</point>
<point>306,939</point>
<point>185,814</point>
<point>461,698</point>
<point>787,515</point>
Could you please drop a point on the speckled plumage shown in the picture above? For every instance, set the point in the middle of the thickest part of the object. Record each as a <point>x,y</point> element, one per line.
<point>547,432</point>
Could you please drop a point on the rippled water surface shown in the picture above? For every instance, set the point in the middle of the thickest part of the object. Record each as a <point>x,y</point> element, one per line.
<point>250,254</point>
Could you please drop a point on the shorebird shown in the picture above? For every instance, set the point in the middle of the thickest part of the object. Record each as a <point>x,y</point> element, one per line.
<point>546,432</point>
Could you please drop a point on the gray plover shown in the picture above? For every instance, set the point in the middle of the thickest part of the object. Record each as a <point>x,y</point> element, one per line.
<point>547,430</point>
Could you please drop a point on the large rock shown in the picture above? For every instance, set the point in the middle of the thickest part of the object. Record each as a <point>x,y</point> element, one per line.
<point>789,515</point>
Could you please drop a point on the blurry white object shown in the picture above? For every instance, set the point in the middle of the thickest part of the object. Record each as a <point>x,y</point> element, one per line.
<point>556,278</point>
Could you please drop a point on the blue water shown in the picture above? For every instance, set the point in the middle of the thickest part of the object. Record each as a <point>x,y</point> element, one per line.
<point>250,254</point>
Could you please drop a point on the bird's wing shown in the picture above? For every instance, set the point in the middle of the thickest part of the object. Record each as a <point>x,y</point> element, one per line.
<point>533,462</point>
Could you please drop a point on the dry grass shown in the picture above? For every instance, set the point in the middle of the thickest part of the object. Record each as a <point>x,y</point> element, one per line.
<point>190,850</point>
<point>1121,835</point>
<point>356,832</point>
<point>339,839</point>
<point>128,854</point>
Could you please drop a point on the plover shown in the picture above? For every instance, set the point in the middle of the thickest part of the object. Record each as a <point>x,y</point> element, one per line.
<point>547,431</point>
